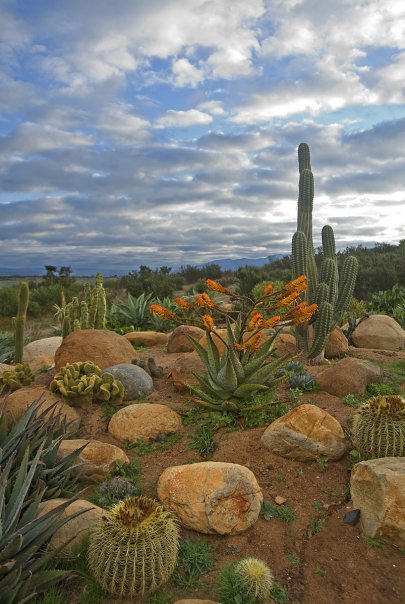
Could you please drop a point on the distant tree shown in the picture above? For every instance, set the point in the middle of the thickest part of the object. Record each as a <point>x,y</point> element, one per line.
<point>50,276</point>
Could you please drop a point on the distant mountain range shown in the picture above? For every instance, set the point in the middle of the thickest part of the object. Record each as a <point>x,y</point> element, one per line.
<point>232,264</point>
<point>226,264</point>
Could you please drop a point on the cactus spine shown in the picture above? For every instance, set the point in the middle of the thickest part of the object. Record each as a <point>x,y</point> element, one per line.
<point>378,428</point>
<point>329,291</point>
<point>255,576</point>
<point>19,321</point>
<point>133,549</point>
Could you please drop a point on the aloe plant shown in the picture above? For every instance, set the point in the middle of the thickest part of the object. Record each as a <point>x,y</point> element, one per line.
<point>236,375</point>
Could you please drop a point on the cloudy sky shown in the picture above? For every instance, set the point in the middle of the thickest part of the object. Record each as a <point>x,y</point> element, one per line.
<point>166,131</point>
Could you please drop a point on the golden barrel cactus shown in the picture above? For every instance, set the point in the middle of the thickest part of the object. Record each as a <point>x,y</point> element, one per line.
<point>378,428</point>
<point>134,548</point>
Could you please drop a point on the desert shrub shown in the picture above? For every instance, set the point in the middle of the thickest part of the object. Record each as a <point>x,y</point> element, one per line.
<point>390,302</point>
<point>160,283</point>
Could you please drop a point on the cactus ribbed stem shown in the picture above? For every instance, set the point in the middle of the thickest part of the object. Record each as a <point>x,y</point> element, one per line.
<point>330,293</point>
<point>19,323</point>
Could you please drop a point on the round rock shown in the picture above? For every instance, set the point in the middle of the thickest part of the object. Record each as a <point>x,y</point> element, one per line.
<point>212,497</point>
<point>70,536</point>
<point>143,420</point>
<point>136,381</point>
<point>179,340</point>
<point>102,347</point>
<point>97,458</point>
<point>18,402</point>
<point>305,433</point>
<point>147,338</point>
<point>45,347</point>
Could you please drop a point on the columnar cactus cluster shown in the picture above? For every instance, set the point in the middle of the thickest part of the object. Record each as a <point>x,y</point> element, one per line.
<point>90,313</point>
<point>327,289</point>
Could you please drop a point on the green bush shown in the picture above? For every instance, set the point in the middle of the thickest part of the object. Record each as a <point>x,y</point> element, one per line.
<point>390,302</point>
<point>8,301</point>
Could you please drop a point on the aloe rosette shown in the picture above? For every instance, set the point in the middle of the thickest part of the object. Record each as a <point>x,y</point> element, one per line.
<point>242,370</point>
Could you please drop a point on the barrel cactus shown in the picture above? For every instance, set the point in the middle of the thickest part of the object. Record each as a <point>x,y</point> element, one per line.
<point>249,581</point>
<point>82,383</point>
<point>16,377</point>
<point>378,428</point>
<point>133,550</point>
<point>329,290</point>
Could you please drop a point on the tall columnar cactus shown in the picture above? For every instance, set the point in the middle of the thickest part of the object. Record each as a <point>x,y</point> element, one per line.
<point>378,428</point>
<point>133,549</point>
<point>327,289</point>
<point>19,321</point>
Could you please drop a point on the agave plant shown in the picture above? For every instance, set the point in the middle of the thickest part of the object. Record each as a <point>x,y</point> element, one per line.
<point>135,312</point>
<point>23,562</point>
<point>42,431</point>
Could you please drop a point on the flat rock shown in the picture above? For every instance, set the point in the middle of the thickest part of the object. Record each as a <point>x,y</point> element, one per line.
<point>45,347</point>
<point>18,402</point>
<point>143,420</point>
<point>104,348</point>
<point>212,497</point>
<point>305,433</point>
<point>71,534</point>
<point>149,339</point>
<point>377,488</point>
<point>347,376</point>
<point>97,458</point>
<point>136,381</point>
<point>379,331</point>
<point>178,340</point>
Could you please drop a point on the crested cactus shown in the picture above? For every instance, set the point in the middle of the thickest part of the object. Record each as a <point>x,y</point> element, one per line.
<point>16,377</point>
<point>19,321</point>
<point>327,289</point>
<point>378,428</point>
<point>84,383</point>
<point>133,550</point>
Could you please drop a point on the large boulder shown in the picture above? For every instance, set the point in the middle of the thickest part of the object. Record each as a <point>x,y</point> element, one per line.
<point>179,338</point>
<point>18,402</point>
<point>149,339</point>
<point>305,433</point>
<point>183,371</point>
<point>143,420</point>
<point>379,331</point>
<point>45,347</point>
<point>347,376</point>
<point>102,347</point>
<point>211,496</point>
<point>70,536</point>
<point>136,381</point>
<point>377,488</point>
<point>97,458</point>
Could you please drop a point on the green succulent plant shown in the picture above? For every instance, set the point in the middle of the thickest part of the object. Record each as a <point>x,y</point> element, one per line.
<point>133,550</point>
<point>236,375</point>
<point>19,321</point>
<point>330,291</point>
<point>378,428</point>
<point>40,430</point>
<point>249,581</point>
<point>82,383</point>
<point>16,377</point>
<point>89,313</point>
<point>29,474</point>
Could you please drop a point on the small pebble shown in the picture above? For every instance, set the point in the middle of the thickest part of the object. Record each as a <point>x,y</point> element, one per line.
<point>233,549</point>
<point>279,500</point>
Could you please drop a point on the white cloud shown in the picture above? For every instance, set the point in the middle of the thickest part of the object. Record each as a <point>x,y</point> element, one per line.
<point>185,74</point>
<point>213,107</point>
<point>182,119</point>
